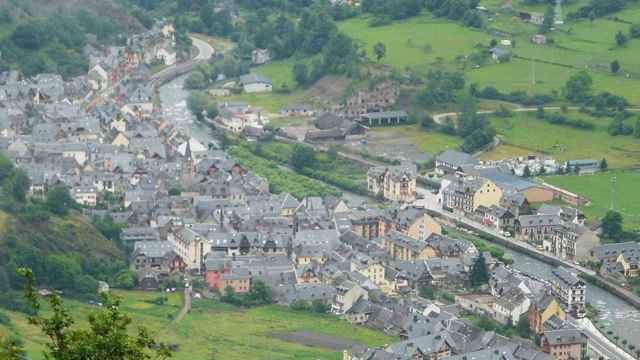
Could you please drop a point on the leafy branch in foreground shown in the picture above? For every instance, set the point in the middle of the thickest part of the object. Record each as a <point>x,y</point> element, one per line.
<point>105,338</point>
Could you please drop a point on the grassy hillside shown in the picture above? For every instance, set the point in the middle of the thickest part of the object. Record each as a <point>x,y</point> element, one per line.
<point>214,330</point>
<point>71,234</point>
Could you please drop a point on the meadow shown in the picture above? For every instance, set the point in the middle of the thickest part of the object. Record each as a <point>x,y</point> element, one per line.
<point>431,142</point>
<point>597,188</point>
<point>524,133</point>
<point>213,330</point>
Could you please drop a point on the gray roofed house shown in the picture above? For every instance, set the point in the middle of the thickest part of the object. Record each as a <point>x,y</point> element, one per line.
<point>454,160</point>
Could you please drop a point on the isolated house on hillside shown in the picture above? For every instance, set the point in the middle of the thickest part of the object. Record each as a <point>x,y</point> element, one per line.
<point>254,83</point>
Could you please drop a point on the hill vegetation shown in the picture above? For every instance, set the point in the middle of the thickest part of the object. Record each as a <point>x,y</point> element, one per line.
<point>39,36</point>
<point>50,237</point>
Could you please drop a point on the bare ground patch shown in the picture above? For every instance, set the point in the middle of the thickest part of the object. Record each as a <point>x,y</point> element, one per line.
<point>309,338</point>
<point>329,89</point>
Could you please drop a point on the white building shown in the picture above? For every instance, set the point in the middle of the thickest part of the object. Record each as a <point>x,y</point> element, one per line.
<point>571,290</point>
<point>253,83</point>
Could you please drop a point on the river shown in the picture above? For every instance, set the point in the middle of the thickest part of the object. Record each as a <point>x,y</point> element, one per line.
<point>174,108</point>
<point>617,315</point>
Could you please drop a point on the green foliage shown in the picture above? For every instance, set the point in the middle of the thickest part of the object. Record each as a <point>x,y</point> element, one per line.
<point>197,103</point>
<point>612,226</point>
<point>196,81</point>
<point>59,201</point>
<point>281,181</point>
<point>621,38</point>
<point>380,50</point>
<point>441,87</point>
<point>300,73</point>
<point>107,336</point>
<point>464,10</point>
<point>316,306</point>
<point>578,87</point>
<point>259,294</point>
<point>303,156</point>
<point>107,227</point>
<point>547,23</point>
<point>615,66</point>
<point>479,275</point>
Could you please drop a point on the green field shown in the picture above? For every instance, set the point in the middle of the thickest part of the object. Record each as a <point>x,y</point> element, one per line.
<point>526,132</point>
<point>576,45</point>
<point>597,188</point>
<point>417,41</point>
<point>432,142</point>
<point>213,330</point>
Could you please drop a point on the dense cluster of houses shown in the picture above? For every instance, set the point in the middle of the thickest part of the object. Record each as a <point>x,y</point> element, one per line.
<point>494,196</point>
<point>188,208</point>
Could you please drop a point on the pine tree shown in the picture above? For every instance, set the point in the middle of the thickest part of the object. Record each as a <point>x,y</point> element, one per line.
<point>603,165</point>
<point>479,274</point>
<point>526,172</point>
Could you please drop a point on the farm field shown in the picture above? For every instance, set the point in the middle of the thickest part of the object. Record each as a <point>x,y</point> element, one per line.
<point>525,131</point>
<point>213,330</point>
<point>416,41</point>
<point>597,189</point>
<point>431,142</point>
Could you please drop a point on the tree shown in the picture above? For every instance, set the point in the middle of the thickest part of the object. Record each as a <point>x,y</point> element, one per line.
<point>380,50</point>
<point>540,114</point>
<point>636,129</point>
<point>301,73</point>
<point>427,291</point>
<point>634,31</point>
<point>615,66</point>
<point>59,200</point>
<point>603,165</point>
<point>547,23</point>
<point>621,38</point>
<point>245,245</point>
<point>578,87</point>
<point>196,81</point>
<point>302,156</point>
<point>320,307</point>
<point>332,153</point>
<point>12,349</point>
<point>526,172</point>
<point>612,226</point>
<point>106,337</point>
<point>197,103</point>
<point>212,110</point>
<point>479,275</point>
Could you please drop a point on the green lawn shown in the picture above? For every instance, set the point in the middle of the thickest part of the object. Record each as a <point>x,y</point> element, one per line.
<point>215,331</point>
<point>524,131</point>
<point>432,142</point>
<point>417,41</point>
<point>597,188</point>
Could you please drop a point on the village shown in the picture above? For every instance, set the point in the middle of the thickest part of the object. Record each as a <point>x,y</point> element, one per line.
<point>190,211</point>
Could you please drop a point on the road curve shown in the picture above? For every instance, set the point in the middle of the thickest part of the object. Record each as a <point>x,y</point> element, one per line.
<point>205,51</point>
<point>440,118</point>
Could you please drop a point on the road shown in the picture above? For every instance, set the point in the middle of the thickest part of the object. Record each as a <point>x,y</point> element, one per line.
<point>204,53</point>
<point>598,343</point>
<point>440,118</point>
<point>430,202</point>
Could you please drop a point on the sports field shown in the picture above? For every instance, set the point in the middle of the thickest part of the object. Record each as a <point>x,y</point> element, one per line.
<point>525,132</point>
<point>597,188</point>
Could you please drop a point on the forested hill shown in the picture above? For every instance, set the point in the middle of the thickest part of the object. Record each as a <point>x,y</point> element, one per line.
<point>48,36</point>
<point>66,251</point>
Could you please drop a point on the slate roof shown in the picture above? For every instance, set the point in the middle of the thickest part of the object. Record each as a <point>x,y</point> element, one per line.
<point>457,158</point>
<point>254,79</point>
